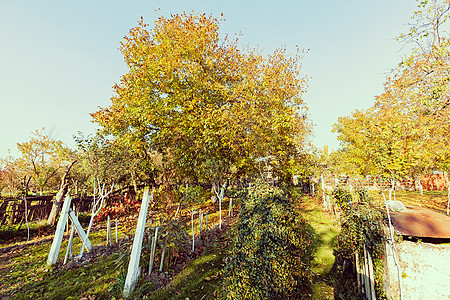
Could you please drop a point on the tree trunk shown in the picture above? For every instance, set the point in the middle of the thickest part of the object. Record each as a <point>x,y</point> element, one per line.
<point>213,192</point>
<point>133,179</point>
<point>56,207</point>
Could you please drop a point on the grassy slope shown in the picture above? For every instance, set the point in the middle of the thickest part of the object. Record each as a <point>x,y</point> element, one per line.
<point>23,273</point>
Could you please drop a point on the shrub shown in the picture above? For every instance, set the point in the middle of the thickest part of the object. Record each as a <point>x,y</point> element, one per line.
<point>360,225</point>
<point>272,250</point>
<point>343,198</point>
<point>363,195</point>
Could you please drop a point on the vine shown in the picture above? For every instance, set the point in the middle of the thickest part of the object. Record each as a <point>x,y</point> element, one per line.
<point>361,226</point>
<point>272,251</point>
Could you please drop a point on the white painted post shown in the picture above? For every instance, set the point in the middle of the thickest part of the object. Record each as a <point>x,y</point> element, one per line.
<point>116,232</point>
<point>59,233</point>
<point>161,265</point>
<point>220,220</point>
<point>69,245</point>
<point>192,227</point>
<point>371,275</point>
<point>200,219</point>
<point>80,231</point>
<point>108,231</point>
<point>133,266</point>
<point>230,208</point>
<point>153,250</point>
<point>323,191</point>
<point>358,271</point>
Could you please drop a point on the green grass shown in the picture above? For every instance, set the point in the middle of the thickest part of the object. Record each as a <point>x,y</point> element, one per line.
<point>24,275</point>
<point>200,279</point>
<point>434,200</point>
<point>325,233</point>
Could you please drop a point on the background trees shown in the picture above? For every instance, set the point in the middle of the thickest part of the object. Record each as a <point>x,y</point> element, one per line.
<point>10,175</point>
<point>43,158</point>
<point>406,132</point>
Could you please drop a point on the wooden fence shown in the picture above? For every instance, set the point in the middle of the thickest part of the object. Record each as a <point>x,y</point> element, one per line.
<point>12,210</point>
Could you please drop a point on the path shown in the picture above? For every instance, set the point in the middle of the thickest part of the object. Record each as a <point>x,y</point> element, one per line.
<point>326,232</point>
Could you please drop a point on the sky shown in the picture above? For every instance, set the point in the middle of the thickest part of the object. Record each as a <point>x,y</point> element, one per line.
<point>60,59</point>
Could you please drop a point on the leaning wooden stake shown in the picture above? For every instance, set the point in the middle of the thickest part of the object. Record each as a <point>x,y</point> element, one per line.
<point>69,245</point>
<point>59,234</point>
<point>153,250</point>
<point>161,265</point>
<point>133,266</point>
<point>87,244</point>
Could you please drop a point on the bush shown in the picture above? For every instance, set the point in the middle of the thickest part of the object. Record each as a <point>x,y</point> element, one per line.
<point>343,198</point>
<point>363,195</point>
<point>272,251</point>
<point>360,225</point>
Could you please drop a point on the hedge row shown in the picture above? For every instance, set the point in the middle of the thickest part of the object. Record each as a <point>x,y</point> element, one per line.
<point>272,250</point>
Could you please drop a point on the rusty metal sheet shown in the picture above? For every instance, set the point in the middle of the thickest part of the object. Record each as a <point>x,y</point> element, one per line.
<point>421,222</point>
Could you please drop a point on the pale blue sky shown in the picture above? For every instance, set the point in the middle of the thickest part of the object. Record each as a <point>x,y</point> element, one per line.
<point>60,59</point>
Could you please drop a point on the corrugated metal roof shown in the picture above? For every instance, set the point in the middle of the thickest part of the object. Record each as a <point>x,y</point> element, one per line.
<point>421,222</point>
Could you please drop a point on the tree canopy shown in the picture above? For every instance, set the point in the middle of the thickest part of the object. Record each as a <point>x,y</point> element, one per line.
<point>202,103</point>
<point>406,132</point>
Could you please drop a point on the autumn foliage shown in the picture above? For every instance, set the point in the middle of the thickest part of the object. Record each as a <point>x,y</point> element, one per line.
<point>407,130</point>
<point>202,103</point>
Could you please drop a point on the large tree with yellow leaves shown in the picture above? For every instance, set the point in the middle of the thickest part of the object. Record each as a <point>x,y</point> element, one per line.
<point>202,103</point>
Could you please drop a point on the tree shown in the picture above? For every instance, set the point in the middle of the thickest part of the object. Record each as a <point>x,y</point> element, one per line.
<point>203,104</point>
<point>43,157</point>
<point>425,74</point>
<point>385,142</point>
<point>60,196</point>
<point>10,175</point>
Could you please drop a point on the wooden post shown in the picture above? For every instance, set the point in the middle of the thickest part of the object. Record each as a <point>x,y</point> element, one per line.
<point>230,208</point>
<point>220,220</point>
<point>192,227</point>
<point>200,219</point>
<point>133,267</point>
<point>153,250</point>
<point>69,245</point>
<point>108,231</point>
<point>59,233</point>
<point>370,274</point>
<point>161,265</point>
<point>116,231</point>
<point>358,271</point>
<point>80,231</point>
<point>323,191</point>
<point>366,275</point>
